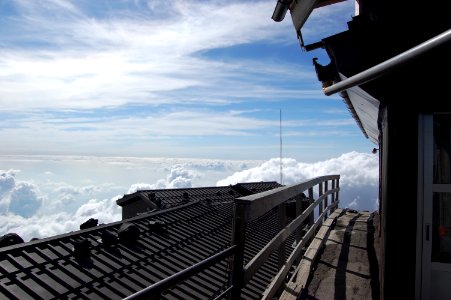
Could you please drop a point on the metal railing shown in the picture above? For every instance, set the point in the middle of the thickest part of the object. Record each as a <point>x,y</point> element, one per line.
<point>251,207</point>
<point>388,65</point>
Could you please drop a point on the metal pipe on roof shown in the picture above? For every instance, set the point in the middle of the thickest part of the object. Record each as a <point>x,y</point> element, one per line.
<point>376,71</point>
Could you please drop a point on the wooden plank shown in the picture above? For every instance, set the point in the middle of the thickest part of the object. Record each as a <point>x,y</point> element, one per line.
<point>263,255</point>
<point>263,202</point>
<point>302,272</point>
<point>280,277</point>
<point>282,212</point>
<point>238,239</point>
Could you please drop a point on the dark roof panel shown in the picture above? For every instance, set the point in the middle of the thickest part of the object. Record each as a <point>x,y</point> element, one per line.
<point>186,234</point>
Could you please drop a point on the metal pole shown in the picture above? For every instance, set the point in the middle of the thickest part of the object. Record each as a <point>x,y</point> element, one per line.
<point>388,65</point>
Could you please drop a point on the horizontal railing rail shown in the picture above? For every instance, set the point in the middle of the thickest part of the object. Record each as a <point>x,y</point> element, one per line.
<point>247,209</point>
<point>154,291</point>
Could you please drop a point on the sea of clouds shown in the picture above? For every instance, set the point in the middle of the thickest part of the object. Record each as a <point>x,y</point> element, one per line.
<point>57,201</point>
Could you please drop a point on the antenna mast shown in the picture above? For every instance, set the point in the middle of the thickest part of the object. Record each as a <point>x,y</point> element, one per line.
<point>281,171</point>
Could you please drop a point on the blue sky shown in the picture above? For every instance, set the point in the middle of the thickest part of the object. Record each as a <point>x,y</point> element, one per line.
<point>101,98</point>
<point>194,79</point>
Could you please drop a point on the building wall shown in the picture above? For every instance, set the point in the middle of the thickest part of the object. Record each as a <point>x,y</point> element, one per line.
<point>399,202</point>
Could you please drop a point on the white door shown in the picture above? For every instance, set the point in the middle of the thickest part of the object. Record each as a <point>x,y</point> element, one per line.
<point>435,149</point>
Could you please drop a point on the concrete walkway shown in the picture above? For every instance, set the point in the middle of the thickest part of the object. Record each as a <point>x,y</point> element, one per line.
<point>347,267</point>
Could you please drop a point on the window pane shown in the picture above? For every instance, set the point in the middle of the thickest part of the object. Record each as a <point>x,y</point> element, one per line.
<point>442,148</point>
<point>441,227</point>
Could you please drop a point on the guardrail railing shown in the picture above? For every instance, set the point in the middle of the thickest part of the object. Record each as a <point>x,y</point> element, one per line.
<point>251,207</point>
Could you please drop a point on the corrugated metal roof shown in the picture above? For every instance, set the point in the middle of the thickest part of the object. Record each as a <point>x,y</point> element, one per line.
<point>193,231</point>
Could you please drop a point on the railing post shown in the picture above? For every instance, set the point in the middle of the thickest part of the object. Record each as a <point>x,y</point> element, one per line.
<point>333,196</point>
<point>326,188</point>
<point>312,215</point>
<point>338,192</point>
<point>299,208</point>
<point>299,199</point>
<point>320,206</point>
<point>238,238</point>
<point>282,222</point>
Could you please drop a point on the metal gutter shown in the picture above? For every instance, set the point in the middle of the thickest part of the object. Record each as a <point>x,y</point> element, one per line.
<point>386,66</point>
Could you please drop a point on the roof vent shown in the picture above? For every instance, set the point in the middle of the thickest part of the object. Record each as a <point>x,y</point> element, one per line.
<point>156,225</point>
<point>128,232</point>
<point>82,249</point>
<point>10,239</point>
<point>90,223</point>
<point>109,238</point>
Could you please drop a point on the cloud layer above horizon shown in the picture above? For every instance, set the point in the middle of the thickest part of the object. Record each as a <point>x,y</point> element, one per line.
<point>164,78</point>
<point>50,208</point>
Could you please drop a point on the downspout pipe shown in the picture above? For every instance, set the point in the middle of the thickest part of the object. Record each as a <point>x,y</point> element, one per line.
<point>386,66</point>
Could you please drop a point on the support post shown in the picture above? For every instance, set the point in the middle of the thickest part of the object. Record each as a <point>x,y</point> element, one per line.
<point>238,239</point>
<point>282,222</point>
<point>320,206</point>
<point>333,196</point>
<point>326,201</point>
<point>312,215</point>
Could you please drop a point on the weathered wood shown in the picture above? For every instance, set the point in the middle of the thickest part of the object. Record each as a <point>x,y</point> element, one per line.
<point>320,193</point>
<point>282,212</point>
<point>312,215</point>
<point>280,277</point>
<point>326,201</point>
<point>263,254</point>
<point>238,239</point>
<point>348,266</point>
<point>299,279</point>
<point>263,202</point>
<point>333,187</point>
<point>298,213</point>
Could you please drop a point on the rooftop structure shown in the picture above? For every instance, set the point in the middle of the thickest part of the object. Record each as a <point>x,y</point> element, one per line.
<point>113,261</point>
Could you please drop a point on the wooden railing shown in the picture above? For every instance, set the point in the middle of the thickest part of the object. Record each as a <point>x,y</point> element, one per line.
<point>251,207</point>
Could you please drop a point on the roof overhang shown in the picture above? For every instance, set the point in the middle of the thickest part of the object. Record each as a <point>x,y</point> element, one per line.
<point>300,10</point>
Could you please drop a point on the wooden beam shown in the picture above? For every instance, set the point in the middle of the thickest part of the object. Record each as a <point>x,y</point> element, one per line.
<point>263,254</point>
<point>263,202</point>
<point>299,279</point>
<point>280,277</point>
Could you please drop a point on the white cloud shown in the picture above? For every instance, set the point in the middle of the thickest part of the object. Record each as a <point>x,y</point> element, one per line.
<point>359,176</point>
<point>25,199</point>
<point>135,57</point>
<point>65,205</point>
<point>19,197</point>
<point>40,226</point>
<point>179,177</point>
<point>7,181</point>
